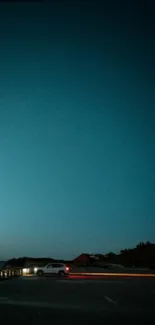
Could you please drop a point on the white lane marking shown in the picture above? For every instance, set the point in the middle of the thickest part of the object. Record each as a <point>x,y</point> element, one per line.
<point>110,300</point>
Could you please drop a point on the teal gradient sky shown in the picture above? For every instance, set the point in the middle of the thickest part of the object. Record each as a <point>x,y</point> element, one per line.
<point>77,127</point>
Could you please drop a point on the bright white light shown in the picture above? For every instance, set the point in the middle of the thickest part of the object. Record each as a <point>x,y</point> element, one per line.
<point>26,271</point>
<point>35,269</point>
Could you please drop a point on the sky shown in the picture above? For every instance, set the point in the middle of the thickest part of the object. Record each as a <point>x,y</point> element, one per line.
<point>77,135</point>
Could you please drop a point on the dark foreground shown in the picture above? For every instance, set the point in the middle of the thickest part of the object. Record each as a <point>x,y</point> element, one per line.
<point>33,300</point>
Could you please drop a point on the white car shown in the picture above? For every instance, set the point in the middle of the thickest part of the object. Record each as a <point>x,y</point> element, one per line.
<point>52,269</point>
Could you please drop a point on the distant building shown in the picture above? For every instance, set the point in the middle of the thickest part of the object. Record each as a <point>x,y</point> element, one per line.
<point>86,259</point>
<point>82,259</point>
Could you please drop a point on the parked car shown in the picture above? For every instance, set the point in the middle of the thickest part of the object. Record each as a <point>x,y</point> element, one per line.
<point>53,269</point>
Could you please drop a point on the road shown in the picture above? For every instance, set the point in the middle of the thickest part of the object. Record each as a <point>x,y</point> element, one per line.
<point>78,299</point>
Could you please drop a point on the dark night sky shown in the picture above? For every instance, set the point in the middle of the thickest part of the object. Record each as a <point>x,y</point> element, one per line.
<point>77,127</point>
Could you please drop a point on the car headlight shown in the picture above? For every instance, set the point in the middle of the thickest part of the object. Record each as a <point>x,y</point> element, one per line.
<point>35,269</point>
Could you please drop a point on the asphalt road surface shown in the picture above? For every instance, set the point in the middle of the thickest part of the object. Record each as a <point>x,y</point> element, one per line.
<point>73,300</point>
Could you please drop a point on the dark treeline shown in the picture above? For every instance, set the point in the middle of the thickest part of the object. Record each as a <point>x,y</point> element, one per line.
<point>32,261</point>
<point>143,255</point>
